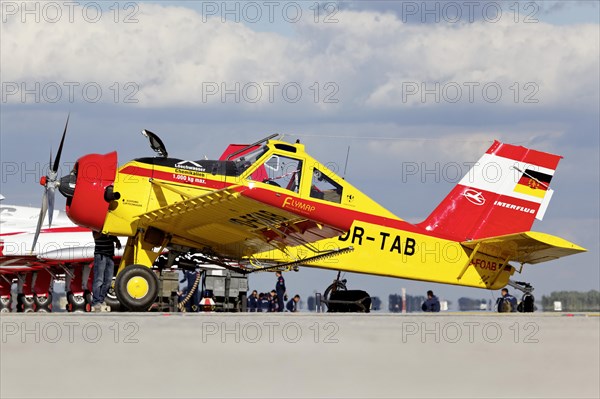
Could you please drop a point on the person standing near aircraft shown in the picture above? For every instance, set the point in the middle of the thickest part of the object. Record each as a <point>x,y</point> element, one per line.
<point>292,305</point>
<point>252,304</point>
<point>432,304</point>
<point>506,303</point>
<point>280,291</point>
<point>104,267</point>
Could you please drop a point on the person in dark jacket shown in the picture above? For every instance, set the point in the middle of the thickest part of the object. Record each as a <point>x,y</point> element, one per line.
<point>264,303</point>
<point>280,291</point>
<point>506,303</point>
<point>104,267</point>
<point>432,304</point>
<point>292,305</point>
<point>253,302</point>
<point>273,302</point>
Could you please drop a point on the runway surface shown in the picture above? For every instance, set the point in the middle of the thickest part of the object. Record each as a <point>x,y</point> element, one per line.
<point>122,355</point>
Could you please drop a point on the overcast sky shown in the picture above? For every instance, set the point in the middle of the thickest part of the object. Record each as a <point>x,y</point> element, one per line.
<point>401,85</point>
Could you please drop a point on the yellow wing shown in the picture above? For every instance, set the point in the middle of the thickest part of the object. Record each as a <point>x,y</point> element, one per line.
<point>228,224</point>
<point>527,247</point>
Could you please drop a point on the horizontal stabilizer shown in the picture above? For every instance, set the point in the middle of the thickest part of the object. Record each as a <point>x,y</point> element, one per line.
<point>527,247</point>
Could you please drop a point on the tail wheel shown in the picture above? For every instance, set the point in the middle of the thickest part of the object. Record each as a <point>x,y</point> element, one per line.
<point>76,303</point>
<point>25,304</point>
<point>5,304</point>
<point>137,287</point>
<point>43,303</point>
<point>350,301</point>
<point>527,304</point>
<point>337,285</point>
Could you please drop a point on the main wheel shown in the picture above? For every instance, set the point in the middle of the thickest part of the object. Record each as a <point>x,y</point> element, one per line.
<point>5,304</point>
<point>25,304</point>
<point>76,303</point>
<point>112,300</point>
<point>43,303</point>
<point>137,288</point>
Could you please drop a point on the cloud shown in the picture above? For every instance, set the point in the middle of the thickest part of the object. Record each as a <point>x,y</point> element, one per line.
<point>175,57</point>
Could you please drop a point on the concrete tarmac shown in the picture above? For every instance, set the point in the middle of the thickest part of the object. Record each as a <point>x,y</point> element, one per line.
<point>450,355</point>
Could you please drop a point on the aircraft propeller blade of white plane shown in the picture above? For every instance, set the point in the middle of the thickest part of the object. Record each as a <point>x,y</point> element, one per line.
<point>50,183</point>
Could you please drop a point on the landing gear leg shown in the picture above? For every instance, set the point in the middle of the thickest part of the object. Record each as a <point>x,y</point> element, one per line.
<point>136,284</point>
<point>77,286</point>
<point>527,304</point>
<point>25,303</point>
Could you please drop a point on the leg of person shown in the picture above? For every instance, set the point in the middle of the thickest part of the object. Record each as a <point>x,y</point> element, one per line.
<point>109,270</point>
<point>99,265</point>
<point>280,303</point>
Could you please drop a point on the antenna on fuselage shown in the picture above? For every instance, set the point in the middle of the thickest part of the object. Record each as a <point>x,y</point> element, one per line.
<point>346,165</point>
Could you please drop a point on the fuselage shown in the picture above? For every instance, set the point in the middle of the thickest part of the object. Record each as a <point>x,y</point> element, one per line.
<point>111,199</point>
<point>63,242</point>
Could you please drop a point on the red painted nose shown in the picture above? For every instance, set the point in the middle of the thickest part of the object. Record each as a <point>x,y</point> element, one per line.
<point>88,207</point>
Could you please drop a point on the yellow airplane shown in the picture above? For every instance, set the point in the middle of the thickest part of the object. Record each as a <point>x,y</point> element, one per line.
<point>270,205</point>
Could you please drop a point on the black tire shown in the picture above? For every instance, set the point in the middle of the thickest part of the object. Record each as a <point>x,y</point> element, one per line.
<point>43,303</point>
<point>136,288</point>
<point>25,304</point>
<point>337,285</point>
<point>5,304</point>
<point>76,303</point>
<point>112,300</point>
<point>527,304</point>
<point>356,301</point>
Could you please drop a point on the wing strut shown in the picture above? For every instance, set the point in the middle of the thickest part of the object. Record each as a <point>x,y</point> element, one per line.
<point>296,263</point>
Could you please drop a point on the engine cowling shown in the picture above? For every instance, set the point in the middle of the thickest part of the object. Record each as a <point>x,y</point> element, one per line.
<point>89,189</point>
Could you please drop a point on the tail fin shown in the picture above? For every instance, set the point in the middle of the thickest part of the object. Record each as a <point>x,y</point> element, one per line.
<point>502,194</point>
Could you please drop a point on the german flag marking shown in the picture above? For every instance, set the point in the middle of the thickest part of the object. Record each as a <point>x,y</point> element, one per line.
<point>533,183</point>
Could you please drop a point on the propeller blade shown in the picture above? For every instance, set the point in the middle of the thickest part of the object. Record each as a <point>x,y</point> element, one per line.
<point>41,218</point>
<point>60,147</point>
<point>50,192</point>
